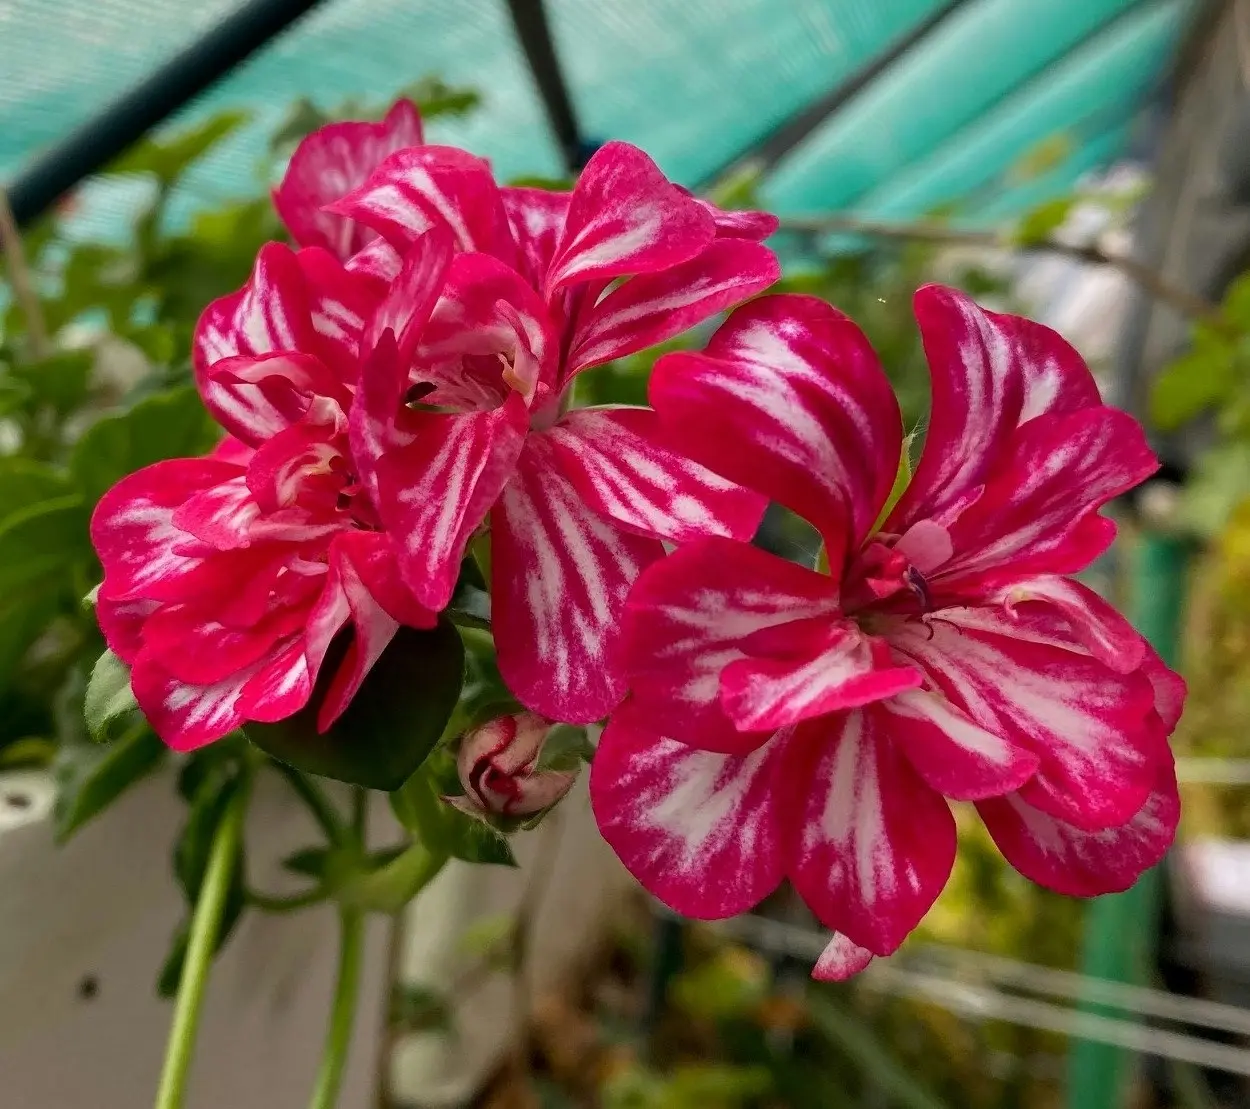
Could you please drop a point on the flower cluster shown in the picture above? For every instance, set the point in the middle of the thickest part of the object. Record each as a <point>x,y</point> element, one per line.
<point>400,384</point>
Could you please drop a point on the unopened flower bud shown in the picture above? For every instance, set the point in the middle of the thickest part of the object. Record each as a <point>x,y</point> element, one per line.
<point>497,766</point>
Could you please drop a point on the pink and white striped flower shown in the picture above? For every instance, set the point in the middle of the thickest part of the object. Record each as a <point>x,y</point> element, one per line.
<point>227,577</point>
<point>498,767</point>
<point>789,724</point>
<point>463,422</point>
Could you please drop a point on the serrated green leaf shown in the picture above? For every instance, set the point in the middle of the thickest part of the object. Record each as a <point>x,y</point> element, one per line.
<point>173,424</point>
<point>109,696</point>
<point>392,723</point>
<point>89,779</point>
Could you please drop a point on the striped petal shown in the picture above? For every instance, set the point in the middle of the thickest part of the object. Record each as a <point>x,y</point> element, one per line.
<point>280,687</point>
<point>951,751</point>
<point>536,217</point>
<point>121,624</point>
<point>187,717</point>
<point>331,162</point>
<point>1090,727</point>
<point>133,530</point>
<point>559,576</point>
<point>741,223</point>
<point>1033,515</point>
<point>990,373</point>
<point>687,619</point>
<point>435,491</point>
<point>373,559</point>
<point>1081,863</point>
<point>340,303</point>
<point>626,217</point>
<point>379,261</point>
<point>698,829</point>
<point>270,313</point>
<point>837,669</point>
<point>873,845</point>
<point>431,186</point>
<point>651,308</point>
<point>625,468</point>
<point>1095,624</point>
<point>788,399</point>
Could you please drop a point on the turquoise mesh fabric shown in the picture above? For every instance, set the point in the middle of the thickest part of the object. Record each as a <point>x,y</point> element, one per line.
<point>697,83</point>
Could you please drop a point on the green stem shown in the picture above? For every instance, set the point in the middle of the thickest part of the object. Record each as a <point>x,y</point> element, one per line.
<point>318,804</point>
<point>201,944</point>
<point>343,1013</point>
<point>268,903</point>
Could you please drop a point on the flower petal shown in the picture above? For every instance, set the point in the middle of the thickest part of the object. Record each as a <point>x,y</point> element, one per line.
<point>280,687</point>
<point>1169,689</point>
<point>651,308</point>
<point>331,162</point>
<point>195,648</point>
<point>270,313</point>
<point>379,261</point>
<point>340,303</point>
<point>121,624</point>
<point>696,828</point>
<point>133,530</point>
<point>686,620</point>
<point>1079,863</point>
<point>373,629</point>
<point>559,576</point>
<point>990,373</point>
<point>840,960</point>
<point>1110,638</point>
<point>185,716</point>
<point>789,400</point>
<point>430,186</point>
<point>1089,726</point>
<point>741,223</point>
<point>872,844</point>
<point>373,559</point>
<point>537,218</point>
<point>951,751</point>
<point>1062,468</point>
<point>837,671</point>
<point>436,490</point>
<point>378,420</point>
<point>624,466</point>
<point>626,217</point>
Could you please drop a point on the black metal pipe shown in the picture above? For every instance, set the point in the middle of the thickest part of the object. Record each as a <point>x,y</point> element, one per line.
<point>97,142</point>
<point>770,148</point>
<point>529,18</point>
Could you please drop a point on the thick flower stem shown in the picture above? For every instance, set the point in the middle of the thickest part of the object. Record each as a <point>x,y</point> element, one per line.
<point>343,1013</point>
<point>201,944</point>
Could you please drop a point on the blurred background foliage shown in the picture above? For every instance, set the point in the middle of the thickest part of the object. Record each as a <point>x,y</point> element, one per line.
<point>97,383</point>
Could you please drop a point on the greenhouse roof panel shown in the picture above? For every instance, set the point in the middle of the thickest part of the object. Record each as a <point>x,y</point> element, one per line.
<point>931,100</point>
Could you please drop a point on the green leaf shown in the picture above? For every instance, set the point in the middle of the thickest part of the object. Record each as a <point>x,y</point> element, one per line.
<point>173,424</point>
<point>470,607</point>
<point>60,382</point>
<point>1038,226</point>
<point>168,157</point>
<point>24,483</point>
<point>392,723</point>
<point>565,748</point>
<point>1190,385</point>
<point>39,545</point>
<point>1236,303</point>
<point>109,696</point>
<point>89,779</point>
<point>309,862</point>
<point>416,1008</point>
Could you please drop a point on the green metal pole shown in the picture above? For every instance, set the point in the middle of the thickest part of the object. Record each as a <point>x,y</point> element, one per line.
<point>1121,930</point>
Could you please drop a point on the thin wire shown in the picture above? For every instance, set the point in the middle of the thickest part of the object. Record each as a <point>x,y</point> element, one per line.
<point>984,1002</point>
